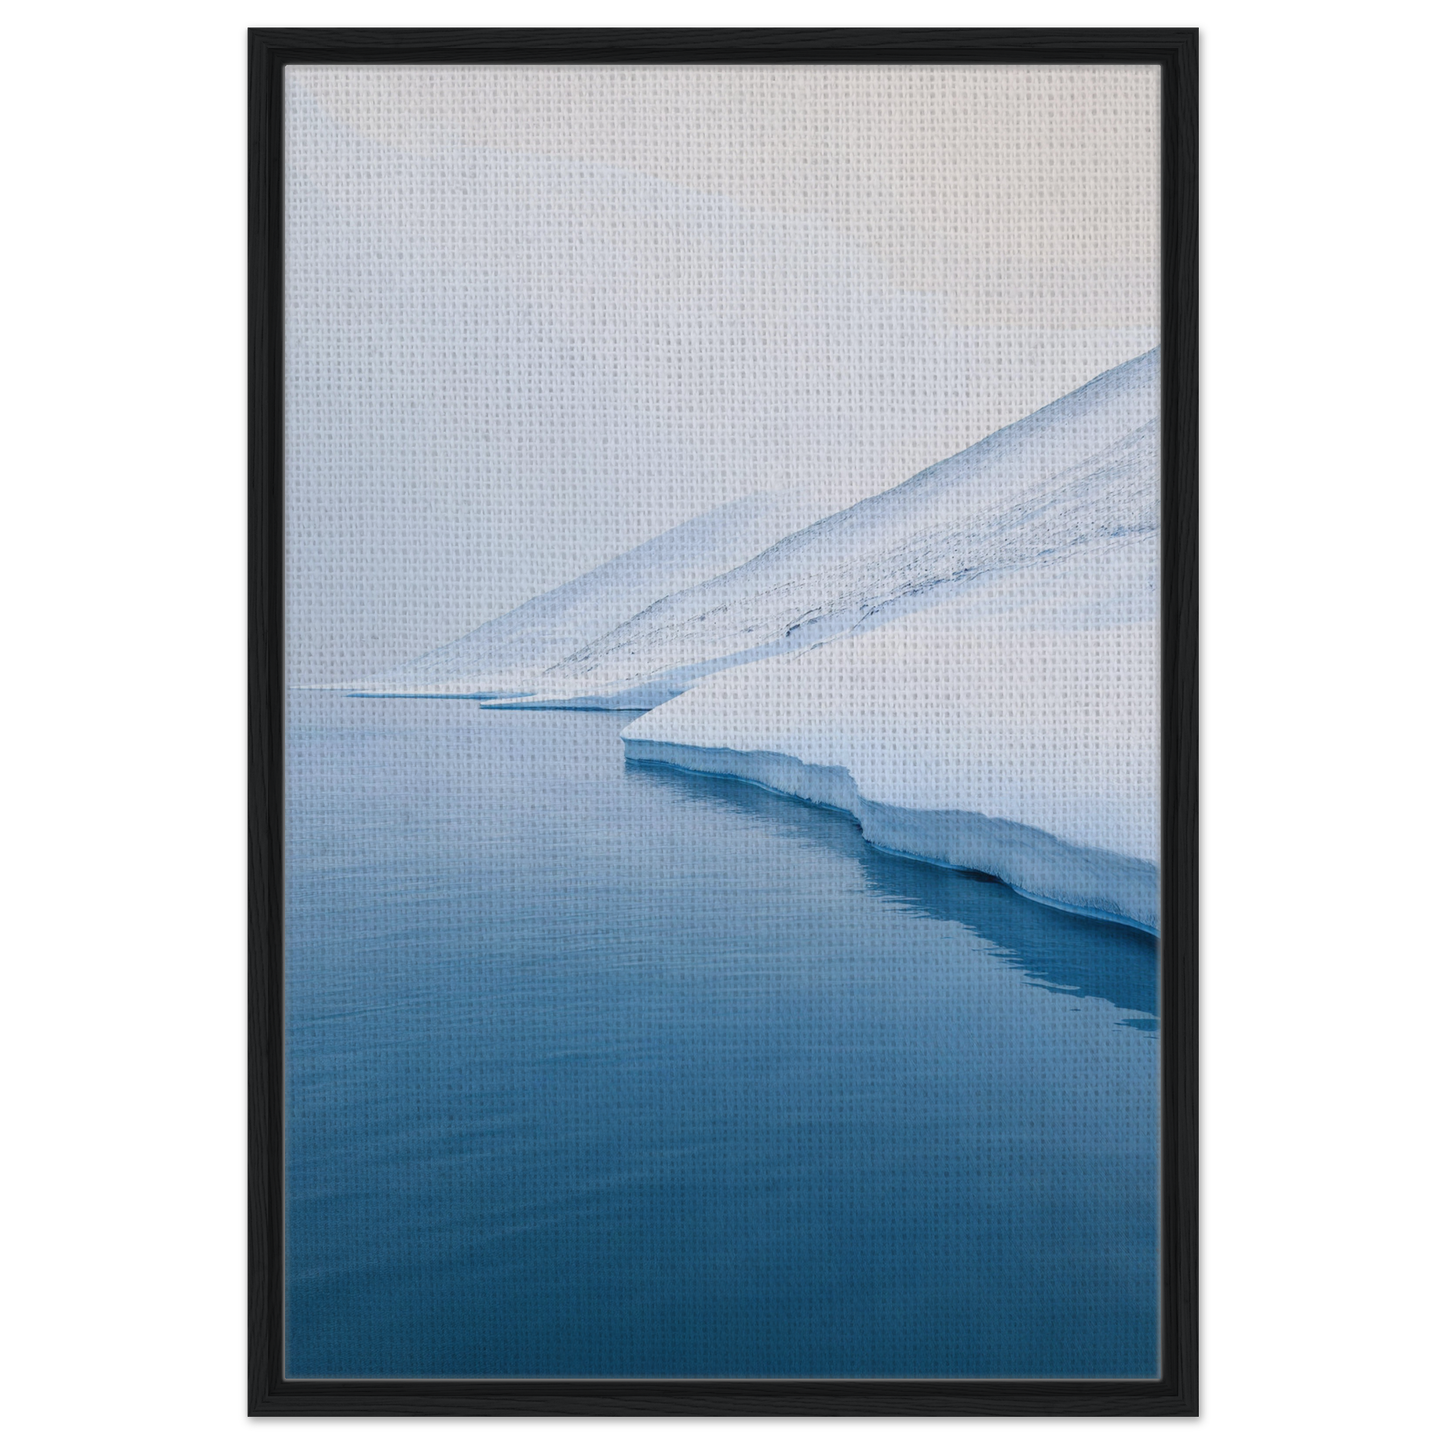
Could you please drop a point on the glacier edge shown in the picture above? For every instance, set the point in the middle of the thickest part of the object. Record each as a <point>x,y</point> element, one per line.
<point>1077,879</point>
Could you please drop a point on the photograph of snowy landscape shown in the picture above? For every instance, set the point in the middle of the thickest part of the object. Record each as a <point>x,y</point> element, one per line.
<point>722,724</point>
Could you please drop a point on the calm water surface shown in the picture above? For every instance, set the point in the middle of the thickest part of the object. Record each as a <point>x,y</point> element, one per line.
<point>597,1069</point>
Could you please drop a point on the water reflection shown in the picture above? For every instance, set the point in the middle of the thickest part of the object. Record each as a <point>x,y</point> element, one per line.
<point>1058,951</point>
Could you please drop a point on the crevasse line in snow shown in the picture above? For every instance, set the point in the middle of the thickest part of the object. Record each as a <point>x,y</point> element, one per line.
<point>1036,864</point>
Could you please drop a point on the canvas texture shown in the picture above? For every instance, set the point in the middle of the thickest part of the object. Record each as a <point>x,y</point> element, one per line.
<point>723,737</point>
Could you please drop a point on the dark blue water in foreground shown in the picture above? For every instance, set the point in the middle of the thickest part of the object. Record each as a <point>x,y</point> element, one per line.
<point>619,1071</point>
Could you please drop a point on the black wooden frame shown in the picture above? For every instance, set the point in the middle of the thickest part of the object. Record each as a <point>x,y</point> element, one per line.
<point>1176,1391</point>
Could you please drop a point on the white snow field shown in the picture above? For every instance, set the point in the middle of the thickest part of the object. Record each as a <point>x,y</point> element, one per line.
<point>1004,721</point>
<point>1019,737</point>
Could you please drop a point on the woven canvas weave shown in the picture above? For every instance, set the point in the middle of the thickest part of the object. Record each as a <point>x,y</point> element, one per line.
<point>722,557</point>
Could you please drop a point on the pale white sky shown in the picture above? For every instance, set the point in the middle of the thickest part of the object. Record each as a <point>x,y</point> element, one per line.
<point>537,315</point>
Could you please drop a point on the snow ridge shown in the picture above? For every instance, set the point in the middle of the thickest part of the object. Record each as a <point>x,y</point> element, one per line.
<point>740,584</point>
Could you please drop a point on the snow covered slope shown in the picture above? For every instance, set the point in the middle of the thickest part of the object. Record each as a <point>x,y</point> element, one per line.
<point>1014,731</point>
<point>507,655</point>
<point>987,693</point>
<point>1078,475</point>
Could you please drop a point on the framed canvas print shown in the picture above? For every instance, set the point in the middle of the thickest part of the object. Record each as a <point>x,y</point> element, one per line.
<point>722,723</point>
